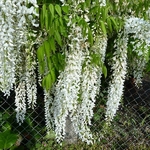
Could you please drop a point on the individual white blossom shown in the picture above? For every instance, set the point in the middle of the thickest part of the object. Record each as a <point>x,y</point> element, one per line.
<point>102,2</point>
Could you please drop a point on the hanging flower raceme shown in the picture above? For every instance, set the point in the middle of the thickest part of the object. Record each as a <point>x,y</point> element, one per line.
<point>16,19</point>
<point>49,109</point>
<point>30,77</point>
<point>90,86</point>
<point>99,48</point>
<point>26,19</point>
<point>20,102</point>
<point>140,30</point>
<point>8,53</point>
<point>116,84</point>
<point>82,118</point>
<point>68,86</point>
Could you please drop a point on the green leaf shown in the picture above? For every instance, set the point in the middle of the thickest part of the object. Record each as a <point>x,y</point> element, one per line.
<point>47,48</point>
<point>65,9</point>
<point>46,20</point>
<point>104,13</point>
<point>53,76</point>
<point>104,70</point>
<point>56,23</point>
<point>61,21</point>
<point>95,9</point>
<point>49,63</point>
<point>90,37</point>
<point>95,59</point>
<point>88,3</point>
<point>103,27</point>
<point>58,10</point>
<point>114,23</point>
<point>7,140</point>
<point>42,67</point>
<point>47,82</point>
<point>40,53</point>
<point>61,61</point>
<point>55,62</point>
<point>62,30</point>
<point>52,30</point>
<point>109,25</point>
<point>58,38</point>
<point>41,20</point>
<point>44,10</point>
<point>51,8</point>
<point>52,44</point>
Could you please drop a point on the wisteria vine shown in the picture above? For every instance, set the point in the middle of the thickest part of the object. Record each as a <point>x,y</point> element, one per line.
<point>83,40</point>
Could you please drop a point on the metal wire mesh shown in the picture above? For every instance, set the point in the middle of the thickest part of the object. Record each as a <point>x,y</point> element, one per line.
<point>130,128</point>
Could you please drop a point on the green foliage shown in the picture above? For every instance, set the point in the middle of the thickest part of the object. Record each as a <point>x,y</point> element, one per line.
<point>51,60</point>
<point>7,139</point>
<point>54,19</point>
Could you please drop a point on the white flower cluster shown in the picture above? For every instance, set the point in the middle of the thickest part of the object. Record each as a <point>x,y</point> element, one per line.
<point>82,118</point>
<point>68,86</point>
<point>138,66</point>
<point>48,101</point>
<point>7,49</point>
<point>20,102</point>
<point>139,27</point>
<point>116,85</point>
<point>99,48</point>
<point>140,30</point>
<point>26,19</point>
<point>15,21</point>
<point>77,86</point>
<point>30,77</point>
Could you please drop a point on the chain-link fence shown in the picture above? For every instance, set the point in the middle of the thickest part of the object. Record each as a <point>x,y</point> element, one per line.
<point>130,128</point>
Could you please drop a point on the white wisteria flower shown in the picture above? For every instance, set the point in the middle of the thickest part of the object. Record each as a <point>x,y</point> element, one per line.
<point>48,101</point>
<point>99,48</point>
<point>102,2</point>
<point>82,118</point>
<point>119,68</point>
<point>20,102</point>
<point>30,77</point>
<point>15,18</point>
<point>90,86</point>
<point>68,86</point>
<point>8,54</point>
<point>139,30</point>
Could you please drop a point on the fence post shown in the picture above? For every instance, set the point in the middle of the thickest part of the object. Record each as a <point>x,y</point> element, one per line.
<point>71,136</point>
